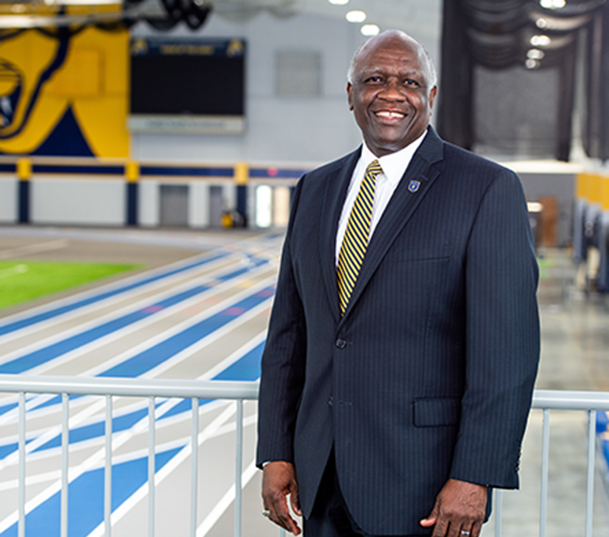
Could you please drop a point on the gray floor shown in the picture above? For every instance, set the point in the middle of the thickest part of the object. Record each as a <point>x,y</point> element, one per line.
<point>575,356</point>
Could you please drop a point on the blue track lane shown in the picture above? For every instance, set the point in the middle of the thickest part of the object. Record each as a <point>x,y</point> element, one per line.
<point>46,354</point>
<point>86,499</point>
<point>85,496</point>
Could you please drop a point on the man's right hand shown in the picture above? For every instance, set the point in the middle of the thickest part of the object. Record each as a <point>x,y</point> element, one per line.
<point>279,481</point>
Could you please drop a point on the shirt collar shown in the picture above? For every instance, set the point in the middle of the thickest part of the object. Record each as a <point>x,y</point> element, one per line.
<point>394,165</point>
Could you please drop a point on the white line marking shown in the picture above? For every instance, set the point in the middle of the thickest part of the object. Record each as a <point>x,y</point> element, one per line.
<point>13,271</point>
<point>171,465</point>
<point>225,502</point>
<point>94,459</point>
<point>130,308</point>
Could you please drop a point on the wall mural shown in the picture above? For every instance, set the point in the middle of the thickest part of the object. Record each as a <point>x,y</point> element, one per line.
<point>64,95</point>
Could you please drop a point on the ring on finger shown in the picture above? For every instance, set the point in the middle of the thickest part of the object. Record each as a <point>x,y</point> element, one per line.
<point>465,533</point>
<point>266,514</point>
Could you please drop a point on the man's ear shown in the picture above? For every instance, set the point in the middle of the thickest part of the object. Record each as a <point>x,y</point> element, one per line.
<point>350,95</point>
<point>432,96</point>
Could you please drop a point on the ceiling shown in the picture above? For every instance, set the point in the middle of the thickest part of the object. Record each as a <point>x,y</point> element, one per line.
<point>424,15</point>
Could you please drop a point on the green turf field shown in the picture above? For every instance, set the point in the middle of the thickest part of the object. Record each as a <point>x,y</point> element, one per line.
<point>21,281</point>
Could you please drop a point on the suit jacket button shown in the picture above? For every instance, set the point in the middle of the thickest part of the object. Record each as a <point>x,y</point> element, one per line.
<point>330,401</point>
<point>341,343</point>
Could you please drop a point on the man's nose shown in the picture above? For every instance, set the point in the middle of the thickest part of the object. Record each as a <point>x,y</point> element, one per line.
<point>392,90</point>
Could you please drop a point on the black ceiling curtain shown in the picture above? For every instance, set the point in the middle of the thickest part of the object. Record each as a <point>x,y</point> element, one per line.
<point>496,34</point>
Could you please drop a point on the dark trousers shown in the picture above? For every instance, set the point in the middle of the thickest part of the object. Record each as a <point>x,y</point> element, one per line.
<point>330,516</point>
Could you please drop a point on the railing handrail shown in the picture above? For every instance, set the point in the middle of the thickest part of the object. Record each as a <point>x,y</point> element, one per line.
<point>137,387</point>
<point>223,389</point>
<point>570,400</point>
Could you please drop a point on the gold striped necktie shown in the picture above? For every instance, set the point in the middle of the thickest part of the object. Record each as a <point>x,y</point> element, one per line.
<point>355,241</point>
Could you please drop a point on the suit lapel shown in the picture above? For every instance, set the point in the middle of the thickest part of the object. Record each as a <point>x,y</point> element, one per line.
<point>413,186</point>
<point>336,190</point>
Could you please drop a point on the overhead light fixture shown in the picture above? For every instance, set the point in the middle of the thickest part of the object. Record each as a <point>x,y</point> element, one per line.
<point>356,16</point>
<point>552,4</point>
<point>535,54</point>
<point>531,64</point>
<point>541,23</point>
<point>370,30</point>
<point>339,2</point>
<point>540,40</point>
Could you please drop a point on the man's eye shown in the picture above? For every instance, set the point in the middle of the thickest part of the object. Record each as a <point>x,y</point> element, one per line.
<point>411,83</point>
<point>374,79</point>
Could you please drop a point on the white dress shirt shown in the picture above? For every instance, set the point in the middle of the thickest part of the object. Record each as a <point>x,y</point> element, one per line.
<point>394,166</point>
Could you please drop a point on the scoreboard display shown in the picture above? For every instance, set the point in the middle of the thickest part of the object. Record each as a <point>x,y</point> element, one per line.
<point>187,85</point>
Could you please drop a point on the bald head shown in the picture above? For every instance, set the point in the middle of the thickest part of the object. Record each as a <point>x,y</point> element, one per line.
<point>398,37</point>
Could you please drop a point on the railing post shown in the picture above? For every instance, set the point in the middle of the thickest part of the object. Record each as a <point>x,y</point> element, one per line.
<point>21,499</point>
<point>108,469</point>
<point>545,456</point>
<point>591,461</point>
<point>498,511</point>
<point>194,441</point>
<point>238,466</point>
<point>151,465</point>
<point>65,462</point>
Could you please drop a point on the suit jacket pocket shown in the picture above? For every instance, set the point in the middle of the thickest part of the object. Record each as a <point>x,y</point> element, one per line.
<point>436,411</point>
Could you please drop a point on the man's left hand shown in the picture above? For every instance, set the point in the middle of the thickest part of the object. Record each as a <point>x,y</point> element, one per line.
<point>459,510</point>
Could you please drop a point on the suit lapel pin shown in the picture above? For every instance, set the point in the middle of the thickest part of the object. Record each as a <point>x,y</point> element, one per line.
<point>414,186</point>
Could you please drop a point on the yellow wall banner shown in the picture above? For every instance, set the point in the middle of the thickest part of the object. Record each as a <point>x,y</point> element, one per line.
<point>65,95</point>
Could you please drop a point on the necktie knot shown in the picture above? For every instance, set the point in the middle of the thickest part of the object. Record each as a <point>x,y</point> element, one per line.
<point>374,169</point>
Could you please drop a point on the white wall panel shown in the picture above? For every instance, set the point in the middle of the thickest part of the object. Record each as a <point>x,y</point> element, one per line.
<point>9,201</point>
<point>148,203</point>
<point>198,205</point>
<point>83,201</point>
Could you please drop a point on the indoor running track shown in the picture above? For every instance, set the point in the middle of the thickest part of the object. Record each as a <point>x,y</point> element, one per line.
<point>203,318</point>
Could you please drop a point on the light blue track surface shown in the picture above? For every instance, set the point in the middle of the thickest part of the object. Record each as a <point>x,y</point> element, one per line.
<point>86,491</point>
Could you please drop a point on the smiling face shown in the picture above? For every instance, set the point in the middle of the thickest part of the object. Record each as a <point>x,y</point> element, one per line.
<point>389,93</point>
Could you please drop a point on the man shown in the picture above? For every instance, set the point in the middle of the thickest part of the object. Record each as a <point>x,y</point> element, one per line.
<point>404,339</point>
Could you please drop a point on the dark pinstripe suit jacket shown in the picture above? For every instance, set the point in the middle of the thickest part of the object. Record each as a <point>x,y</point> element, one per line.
<point>430,372</point>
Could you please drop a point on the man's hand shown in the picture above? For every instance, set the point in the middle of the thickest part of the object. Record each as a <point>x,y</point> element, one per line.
<point>460,507</point>
<point>279,480</point>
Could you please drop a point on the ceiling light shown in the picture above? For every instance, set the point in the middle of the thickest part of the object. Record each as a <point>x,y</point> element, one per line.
<point>356,16</point>
<point>370,30</point>
<point>541,23</point>
<point>535,54</point>
<point>531,64</point>
<point>339,2</point>
<point>540,40</point>
<point>552,4</point>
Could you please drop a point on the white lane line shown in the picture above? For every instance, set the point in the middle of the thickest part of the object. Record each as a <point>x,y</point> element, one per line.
<point>89,463</point>
<point>225,502</point>
<point>17,270</point>
<point>51,433</point>
<point>113,286</point>
<point>43,477</point>
<point>208,340</point>
<point>148,344</point>
<point>171,465</point>
<point>90,418</point>
<point>34,249</point>
<point>229,253</point>
<point>130,308</point>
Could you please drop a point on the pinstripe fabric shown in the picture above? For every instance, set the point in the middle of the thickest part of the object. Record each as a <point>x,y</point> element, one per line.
<point>355,241</point>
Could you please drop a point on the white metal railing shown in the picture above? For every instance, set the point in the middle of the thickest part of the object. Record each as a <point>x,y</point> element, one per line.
<point>111,387</point>
<point>546,400</point>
